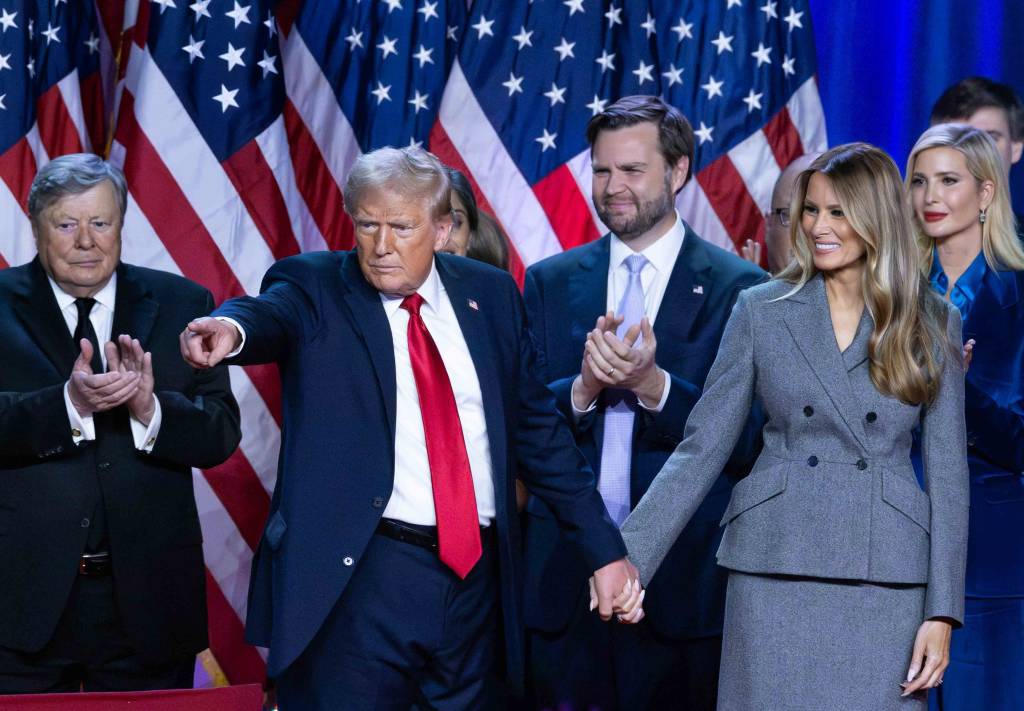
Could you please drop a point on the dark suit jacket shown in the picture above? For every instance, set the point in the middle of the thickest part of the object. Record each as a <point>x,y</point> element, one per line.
<point>564,296</point>
<point>994,399</point>
<point>325,325</point>
<point>46,480</point>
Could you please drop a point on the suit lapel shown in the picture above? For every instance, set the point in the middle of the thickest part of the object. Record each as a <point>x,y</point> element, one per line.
<point>135,311</point>
<point>810,324</point>
<point>684,295</point>
<point>38,311</point>
<point>588,291</point>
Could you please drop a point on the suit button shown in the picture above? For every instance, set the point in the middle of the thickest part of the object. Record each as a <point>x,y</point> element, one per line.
<point>808,411</point>
<point>812,461</point>
<point>85,523</point>
<point>871,417</point>
<point>347,560</point>
<point>378,501</point>
<point>59,449</point>
<point>103,465</point>
<point>971,439</point>
<point>861,464</point>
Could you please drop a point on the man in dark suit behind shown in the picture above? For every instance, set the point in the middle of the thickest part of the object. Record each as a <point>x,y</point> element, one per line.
<point>390,565</point>
<point>627,328</point>
<point>100,548</point>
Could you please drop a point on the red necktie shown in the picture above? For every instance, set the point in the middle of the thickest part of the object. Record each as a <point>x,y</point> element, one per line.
<point>458,526</point>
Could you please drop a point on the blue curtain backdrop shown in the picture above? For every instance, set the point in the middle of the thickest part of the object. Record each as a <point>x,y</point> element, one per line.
<point>883,63</point>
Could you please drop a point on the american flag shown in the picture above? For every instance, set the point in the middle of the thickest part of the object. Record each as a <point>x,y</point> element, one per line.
<point>236,122</point>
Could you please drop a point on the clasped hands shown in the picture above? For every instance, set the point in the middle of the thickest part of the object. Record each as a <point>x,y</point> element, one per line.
<point>128,380</point>
<point>619,363</point>
<point>615,589</point>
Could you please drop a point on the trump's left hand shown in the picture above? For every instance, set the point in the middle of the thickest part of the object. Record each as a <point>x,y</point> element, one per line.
<point>615,589</point>
<point>127,356</point>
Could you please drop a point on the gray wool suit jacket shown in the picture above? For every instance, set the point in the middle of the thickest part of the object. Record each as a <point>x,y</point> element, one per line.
<point>833,494</point>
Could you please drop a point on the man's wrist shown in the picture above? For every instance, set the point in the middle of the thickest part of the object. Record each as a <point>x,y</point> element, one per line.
<point>652,388</point>
<point>582,397</point>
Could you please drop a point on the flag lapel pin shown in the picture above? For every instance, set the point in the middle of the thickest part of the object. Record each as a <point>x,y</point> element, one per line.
<point>473,305</point>
<point>699,289</point>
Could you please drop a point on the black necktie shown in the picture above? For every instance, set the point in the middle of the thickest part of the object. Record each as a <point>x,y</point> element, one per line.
<point>84,329</point>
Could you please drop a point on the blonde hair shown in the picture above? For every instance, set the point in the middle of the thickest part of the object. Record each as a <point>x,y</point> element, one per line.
<point>999,241</point>
<point>909,318</point>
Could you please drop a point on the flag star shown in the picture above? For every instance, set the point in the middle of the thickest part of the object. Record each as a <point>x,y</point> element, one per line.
<point>597,105</point>
<point>761,54</point>
<point>753,101</point>
<point>607,61</point>
<point>674,76</point>
<point>787,65</point>
<point>429,10</point>
<point>422,55</point>
<point>713,88</point>
<point>450,31</point>
<point>270,24</point>
<point>58,2</point>
<point>93,43</point>
<point>7,19</point>
<point>267,64</point>
<point>413,143</point>
<point>164,4</point>
<point>31,66</point>
<point>684,29</point>
<point>514,84</point>
<point>194,49</point>
<point>547,140</point>
<point>704,133</point>
<point>734,3</point>
<point>565,50</point>
<point>723,42</point>
<point>393,5</point>
<point>769,10</point>
<point>3,106</point>
<point>354,39</point>
<point>239,15</point>
<point>483,27</point>
<point>387,47</point>
<point>31,28</point>
<point>792,19</point>
<point>614,16</point>
<point>382,92</point>
<point>233,57</point>
<point>200,8</point>
<point>643,72</point>
<point>574,7</point>
<point>51,33</point>
<point>523,38</point>
<point>4,64</point>
<point>648,25</point>
<point>419,101</point>
<point>226,98</point>
<point>556,94</point>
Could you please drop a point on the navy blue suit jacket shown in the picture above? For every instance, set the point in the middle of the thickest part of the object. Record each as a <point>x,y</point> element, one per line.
<point>994,399</point>
<point>565,294</point>
<point>325,326</point>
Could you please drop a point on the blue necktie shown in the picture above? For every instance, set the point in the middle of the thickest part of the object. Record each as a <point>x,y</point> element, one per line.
<point>617,446</point>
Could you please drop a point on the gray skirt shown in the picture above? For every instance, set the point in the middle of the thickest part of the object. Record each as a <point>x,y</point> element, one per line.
<point>794,643</point>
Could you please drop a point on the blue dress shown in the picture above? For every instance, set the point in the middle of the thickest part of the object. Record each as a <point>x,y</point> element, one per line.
<point>987,654</point>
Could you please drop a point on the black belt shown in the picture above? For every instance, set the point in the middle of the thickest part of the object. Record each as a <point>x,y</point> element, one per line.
<point>422,536</point>
<point>94,565</point>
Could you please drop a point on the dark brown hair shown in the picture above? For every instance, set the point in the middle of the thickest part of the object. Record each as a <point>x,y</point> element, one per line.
<point>967,96</point>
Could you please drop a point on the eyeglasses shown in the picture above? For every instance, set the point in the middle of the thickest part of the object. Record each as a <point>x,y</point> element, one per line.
<point>779,213</point>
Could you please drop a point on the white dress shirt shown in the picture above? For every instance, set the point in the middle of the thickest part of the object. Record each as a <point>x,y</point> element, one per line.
<point>102,318</point>
<point>412,498</point>
<point>661,260</point>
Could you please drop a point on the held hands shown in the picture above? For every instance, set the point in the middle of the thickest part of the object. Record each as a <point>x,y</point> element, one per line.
<point>931,648</point>
<point>616,588</point>
<point>206,341</point>
<point>128,357</point>
<point>623,364</point>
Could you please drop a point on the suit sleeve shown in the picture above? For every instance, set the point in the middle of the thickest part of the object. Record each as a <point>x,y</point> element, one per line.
<point>944,454</point>
<point>201,427</point>
<point>551,466</point>
<point>34,426</point>
<point>711,433</point>
<point>995,431</point>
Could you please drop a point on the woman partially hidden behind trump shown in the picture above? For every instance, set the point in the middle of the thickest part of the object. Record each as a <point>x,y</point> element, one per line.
<point>845,577</point>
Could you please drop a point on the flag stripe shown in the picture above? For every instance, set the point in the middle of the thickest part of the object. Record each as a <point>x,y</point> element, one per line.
<point>242,495</point>
<point>730,200</point>
<point>18,166</point>
<point>71,93</point>
<point>694,207</point>
<point>807,115</point>
<point>784,139</point>
<point>566,208</point>
<point>755,162</point>
<point>57,130</point>
<point>241,663</point>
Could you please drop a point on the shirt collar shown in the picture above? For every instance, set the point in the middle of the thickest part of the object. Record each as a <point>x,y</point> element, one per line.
<point>104,297</point>
<point>661,254</point>
<point>431,290</point>
<point>966,288</point>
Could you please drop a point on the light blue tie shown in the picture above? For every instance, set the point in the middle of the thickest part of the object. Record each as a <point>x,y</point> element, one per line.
<point>617,446</point>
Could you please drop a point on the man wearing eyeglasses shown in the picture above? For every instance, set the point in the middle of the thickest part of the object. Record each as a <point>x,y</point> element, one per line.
<point>776,233</point>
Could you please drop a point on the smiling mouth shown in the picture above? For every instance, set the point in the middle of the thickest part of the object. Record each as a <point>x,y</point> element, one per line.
<point>826,246</point>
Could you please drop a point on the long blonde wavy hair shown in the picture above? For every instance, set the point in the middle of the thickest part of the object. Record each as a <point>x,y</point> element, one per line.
<point>999,241</point>
<point>909,318</point>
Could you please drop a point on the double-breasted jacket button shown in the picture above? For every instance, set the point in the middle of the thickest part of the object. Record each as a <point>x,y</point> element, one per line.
<point>378,502</point>
<point>808,410</point>
<point>812,461</point>
<point>862,464</point>
<point>347,560</point>
<point>85,523</point>
<point>103,465</point>
<point>871,416</point>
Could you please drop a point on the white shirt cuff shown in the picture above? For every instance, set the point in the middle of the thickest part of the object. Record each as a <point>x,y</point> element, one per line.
<point>82,428</point>
<point>145,437</point>
<point>664,395</point>
<point>578,413</point>
<point>241,331</point>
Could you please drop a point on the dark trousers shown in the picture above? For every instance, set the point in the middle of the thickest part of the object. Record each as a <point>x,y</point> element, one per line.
<point>603,666</point>
<point>405,633</point>
<point>89,652</point>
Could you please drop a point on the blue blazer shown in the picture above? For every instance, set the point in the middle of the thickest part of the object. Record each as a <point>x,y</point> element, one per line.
<point>564,296</point>
<point>325,326</point>
<point>994,399</point>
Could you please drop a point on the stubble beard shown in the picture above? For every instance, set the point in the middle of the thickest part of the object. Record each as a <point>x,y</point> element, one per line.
<point>648,214</point>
